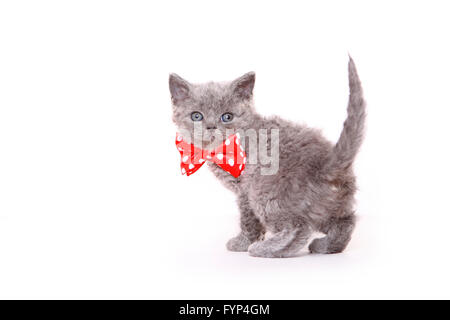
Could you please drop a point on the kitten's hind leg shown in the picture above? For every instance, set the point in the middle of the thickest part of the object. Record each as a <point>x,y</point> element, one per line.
<point>251,228</point>
<point>338,235</point>
<point>284,244</point>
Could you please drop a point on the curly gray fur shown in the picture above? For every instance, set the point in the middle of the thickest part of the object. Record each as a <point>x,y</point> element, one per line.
<point>314,187</point>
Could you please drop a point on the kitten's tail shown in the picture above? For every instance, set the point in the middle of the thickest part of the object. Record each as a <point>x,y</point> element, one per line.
<point>346,148</point>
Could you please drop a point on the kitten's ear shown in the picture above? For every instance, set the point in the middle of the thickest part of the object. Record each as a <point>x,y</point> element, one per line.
<point>179,88</point>
<point>243,86</point>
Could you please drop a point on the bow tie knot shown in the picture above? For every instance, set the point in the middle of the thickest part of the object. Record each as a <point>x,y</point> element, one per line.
<point>230,156</point>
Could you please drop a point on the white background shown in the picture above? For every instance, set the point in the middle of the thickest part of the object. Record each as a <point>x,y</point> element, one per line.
<point>92,203</point>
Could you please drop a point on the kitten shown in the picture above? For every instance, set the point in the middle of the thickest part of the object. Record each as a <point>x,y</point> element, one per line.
<point>314,187</point>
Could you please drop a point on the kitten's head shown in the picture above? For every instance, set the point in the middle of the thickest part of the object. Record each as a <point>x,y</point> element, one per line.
<point>209,112</point>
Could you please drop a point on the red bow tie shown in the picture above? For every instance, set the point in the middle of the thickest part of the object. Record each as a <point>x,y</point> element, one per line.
<point>230,156</point>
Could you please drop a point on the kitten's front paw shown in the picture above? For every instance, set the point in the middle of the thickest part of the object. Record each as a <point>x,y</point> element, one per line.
<point>239,243</point>
<point>262,250</point>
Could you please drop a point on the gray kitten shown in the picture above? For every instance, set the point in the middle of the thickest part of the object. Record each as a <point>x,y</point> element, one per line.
<point>314,188</point>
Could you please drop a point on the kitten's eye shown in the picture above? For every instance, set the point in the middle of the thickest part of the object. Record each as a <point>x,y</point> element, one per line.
<point>227,117</point>
<point>196,116</point>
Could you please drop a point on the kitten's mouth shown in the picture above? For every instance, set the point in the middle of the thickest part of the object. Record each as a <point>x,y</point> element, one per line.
<point>208,143</point>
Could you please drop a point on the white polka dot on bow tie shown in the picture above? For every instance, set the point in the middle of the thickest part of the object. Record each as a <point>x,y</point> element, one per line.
<point>185,158</point>
<point>227,142</point>
<point>181,149</point>
<point>183,171</point>
<point>219,156</point>
<point>208,157</point>
<point>231,162</point>
<point>191,166</point>
<point>240,167</point>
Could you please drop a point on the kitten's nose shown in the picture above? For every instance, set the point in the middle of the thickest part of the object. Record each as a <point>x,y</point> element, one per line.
<point>210,128</point>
